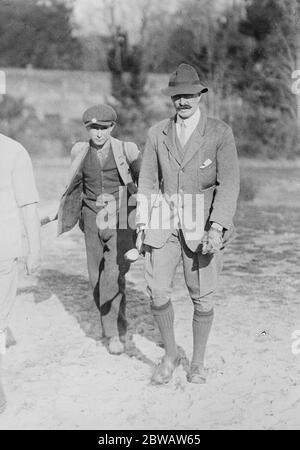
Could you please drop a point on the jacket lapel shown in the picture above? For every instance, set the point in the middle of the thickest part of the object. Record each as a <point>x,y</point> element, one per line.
<point>120,159</point>
<point>168,139</point>
<point>77,162</point>
<point>196,140</point>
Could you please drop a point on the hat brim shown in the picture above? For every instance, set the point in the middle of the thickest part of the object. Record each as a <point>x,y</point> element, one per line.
<point>184,89</point>
<point>98,122</point>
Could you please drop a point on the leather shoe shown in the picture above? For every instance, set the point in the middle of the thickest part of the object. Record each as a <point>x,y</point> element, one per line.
<point>115,346</point>
<point>196,375</point>
<point>164,370</point>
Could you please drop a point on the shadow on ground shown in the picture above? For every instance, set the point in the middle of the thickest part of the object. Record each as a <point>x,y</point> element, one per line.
<point>74,292</point>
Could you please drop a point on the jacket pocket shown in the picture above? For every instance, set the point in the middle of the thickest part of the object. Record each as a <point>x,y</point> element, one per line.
<point>207,190</point>
<point>207,163</point>
<point>207,174</point>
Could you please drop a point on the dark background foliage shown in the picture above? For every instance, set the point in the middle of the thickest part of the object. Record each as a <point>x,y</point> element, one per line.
<point>246,55</point>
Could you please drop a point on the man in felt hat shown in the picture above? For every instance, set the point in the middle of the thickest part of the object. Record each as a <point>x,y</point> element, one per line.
<point>18,205</point>
<point>101,180</point>
<point>187,195</point>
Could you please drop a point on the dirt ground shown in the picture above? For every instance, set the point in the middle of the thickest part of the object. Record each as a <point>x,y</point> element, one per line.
<point>59,375</point>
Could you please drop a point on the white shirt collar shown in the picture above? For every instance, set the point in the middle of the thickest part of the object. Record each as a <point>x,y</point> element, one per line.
<point>192,122</point>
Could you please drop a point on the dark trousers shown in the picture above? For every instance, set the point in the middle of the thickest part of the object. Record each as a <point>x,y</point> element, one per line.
<point>107,267</point>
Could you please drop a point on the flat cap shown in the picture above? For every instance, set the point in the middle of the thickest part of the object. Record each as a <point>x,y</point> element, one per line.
<point>99,115</point>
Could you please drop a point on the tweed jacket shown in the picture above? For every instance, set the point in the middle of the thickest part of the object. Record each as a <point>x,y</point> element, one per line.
<point>127,157</point>
<point>208,168</point>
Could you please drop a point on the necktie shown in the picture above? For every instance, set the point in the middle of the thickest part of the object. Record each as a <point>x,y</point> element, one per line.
<point>182,133</point>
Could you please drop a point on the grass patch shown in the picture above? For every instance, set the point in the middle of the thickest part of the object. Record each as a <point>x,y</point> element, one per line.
<point>249,188</point>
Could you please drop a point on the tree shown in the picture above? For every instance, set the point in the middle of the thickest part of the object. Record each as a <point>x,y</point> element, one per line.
<point>274,25</point>
<point>39,34</point>
<point>274,28</point>
<point>123,57</point>
<point>207,38</point>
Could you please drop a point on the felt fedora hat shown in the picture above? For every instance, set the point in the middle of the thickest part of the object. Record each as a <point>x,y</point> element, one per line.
<point>184,80</point>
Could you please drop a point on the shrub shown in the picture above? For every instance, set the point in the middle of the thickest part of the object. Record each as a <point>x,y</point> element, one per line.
<point>47,136</point>
<point>248,189</point>
<point>266,132</point>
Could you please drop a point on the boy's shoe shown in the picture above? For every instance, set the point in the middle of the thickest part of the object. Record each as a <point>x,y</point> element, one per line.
<point>164,370</point>
<point>131,255</point>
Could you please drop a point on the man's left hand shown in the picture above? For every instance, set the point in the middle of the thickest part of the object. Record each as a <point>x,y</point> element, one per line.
<point>212,241</point>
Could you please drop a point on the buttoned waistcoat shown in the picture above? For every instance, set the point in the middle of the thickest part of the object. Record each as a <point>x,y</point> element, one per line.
<point>127,157</point>
<point>208,172</point>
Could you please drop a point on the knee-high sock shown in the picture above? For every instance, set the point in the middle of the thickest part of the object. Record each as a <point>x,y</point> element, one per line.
<point>164,316</point>
<point>202,322</point>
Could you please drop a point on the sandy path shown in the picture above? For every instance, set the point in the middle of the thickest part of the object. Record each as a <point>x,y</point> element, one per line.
<point>60,376</point>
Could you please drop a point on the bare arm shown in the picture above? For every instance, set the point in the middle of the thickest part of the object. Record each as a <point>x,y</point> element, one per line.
<point>32,227</point>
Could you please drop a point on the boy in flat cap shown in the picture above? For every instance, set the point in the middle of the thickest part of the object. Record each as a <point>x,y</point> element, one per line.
<point>190,177</point>
<point>101,180</point>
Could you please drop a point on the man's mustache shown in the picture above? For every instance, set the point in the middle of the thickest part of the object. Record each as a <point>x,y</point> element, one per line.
<point>183,107</point>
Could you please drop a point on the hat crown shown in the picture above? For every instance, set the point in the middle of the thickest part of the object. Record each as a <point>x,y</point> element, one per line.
<point>184,74</point>
<point>185,80</point>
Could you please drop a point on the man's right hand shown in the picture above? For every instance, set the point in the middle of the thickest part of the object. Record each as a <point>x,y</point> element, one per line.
<point>212,241</point>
